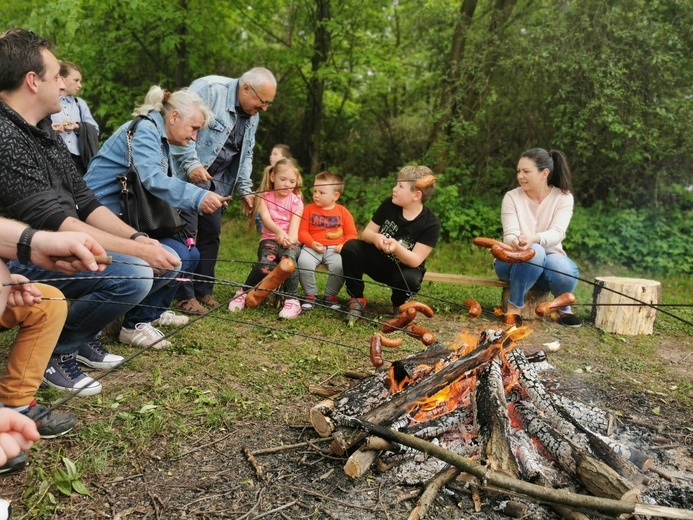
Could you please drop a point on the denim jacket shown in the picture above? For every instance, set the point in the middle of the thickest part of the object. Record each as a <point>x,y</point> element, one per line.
<point>150,151</point>
<point>220,95</point>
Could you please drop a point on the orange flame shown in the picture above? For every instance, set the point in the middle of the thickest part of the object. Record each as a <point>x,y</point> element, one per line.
<point>448,399</point>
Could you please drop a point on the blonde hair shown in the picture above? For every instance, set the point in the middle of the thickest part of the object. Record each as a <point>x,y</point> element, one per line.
<point>412,174</point>
<point>334,179</point>
<point>185,101</point>
<point>266,182</point>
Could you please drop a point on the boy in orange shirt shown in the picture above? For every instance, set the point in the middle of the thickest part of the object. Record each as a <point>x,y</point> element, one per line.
<point>324,229</point>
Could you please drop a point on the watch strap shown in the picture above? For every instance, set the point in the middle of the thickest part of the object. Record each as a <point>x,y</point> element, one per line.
<point>24,246</point>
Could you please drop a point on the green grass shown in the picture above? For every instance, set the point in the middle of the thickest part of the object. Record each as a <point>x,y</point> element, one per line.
<point>227,372</point>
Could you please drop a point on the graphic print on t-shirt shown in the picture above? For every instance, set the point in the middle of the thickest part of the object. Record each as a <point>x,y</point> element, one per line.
<point>325,221</point>
<point>390,229</point>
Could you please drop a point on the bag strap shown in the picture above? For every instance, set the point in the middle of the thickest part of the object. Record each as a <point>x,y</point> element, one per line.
<point>130,132</point>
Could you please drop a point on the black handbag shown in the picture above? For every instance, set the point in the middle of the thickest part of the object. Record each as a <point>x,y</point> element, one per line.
<point>139,208</point>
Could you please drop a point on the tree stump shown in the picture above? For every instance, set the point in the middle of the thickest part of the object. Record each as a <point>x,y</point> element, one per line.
<point>533,298</point>
<point>621,315</point>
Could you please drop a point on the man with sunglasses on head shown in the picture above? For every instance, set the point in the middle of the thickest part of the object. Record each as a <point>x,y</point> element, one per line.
<point>221,160</point>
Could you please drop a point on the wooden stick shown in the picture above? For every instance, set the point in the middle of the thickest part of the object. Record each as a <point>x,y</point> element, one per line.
<point>491,477</point>
<point>253,461</point>
<point>433,487</point>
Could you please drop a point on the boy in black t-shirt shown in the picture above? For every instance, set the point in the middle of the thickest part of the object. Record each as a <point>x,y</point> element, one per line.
<point>395,244</point>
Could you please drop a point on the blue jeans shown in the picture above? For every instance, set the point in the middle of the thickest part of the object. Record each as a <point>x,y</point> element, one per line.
<point>99,298</point>
<point>188,262</point>
<point>162,293</point>
<point>552,272</point>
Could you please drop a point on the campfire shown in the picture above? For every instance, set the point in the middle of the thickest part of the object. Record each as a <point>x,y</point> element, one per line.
<point>492,424</point>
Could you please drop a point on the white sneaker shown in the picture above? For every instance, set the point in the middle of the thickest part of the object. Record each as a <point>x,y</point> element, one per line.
<point>170,318</point>
<point>143,335</point>
<point>238,302</point>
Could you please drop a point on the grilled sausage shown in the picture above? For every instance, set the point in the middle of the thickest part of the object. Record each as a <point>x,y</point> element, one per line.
<point>270,282</point>
<point>512,257</point>
<point>490,242</point>
<point>421,307</point>
<point>399,322</point>
<point>390,342</point>
<point>424,182</point>
<point>420,333</point>
<point>474,308</point>
<point>376,350</point>
<point>558,302</point>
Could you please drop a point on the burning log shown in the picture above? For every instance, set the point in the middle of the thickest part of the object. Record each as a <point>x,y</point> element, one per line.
<point>413,368</point>
<point>491,419</point>
<point>597,477</point>
<point>403,402</point>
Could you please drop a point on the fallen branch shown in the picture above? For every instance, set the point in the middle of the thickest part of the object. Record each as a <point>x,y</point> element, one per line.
<point>285,447</point>
<point>488,476</point>
<point>433,487</point>
<point>253,462</point>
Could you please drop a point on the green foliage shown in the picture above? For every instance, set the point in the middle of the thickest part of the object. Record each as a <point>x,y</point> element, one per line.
<point>647,240</point>
<point>607,82</point>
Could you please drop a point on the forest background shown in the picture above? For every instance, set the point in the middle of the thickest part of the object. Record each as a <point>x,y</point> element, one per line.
<point>463,86</point>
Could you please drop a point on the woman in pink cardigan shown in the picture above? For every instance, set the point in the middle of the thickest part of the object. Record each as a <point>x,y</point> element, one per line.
<point>536,215</point>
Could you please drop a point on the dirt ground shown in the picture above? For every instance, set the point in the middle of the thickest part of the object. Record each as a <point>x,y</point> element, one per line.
<point>213,478</point>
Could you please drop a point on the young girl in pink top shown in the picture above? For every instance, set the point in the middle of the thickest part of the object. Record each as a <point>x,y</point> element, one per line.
<point>280,207</point>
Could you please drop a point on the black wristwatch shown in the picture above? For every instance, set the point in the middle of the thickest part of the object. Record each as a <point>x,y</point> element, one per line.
<point>24,246</point>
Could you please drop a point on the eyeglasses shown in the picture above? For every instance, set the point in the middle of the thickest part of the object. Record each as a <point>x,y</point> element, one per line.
<point>265,104</point>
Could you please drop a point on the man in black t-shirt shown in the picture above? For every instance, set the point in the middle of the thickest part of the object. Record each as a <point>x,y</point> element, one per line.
<point>395,244</point>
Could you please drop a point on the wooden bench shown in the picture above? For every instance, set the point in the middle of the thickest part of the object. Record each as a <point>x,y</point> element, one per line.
<point>532,299</point>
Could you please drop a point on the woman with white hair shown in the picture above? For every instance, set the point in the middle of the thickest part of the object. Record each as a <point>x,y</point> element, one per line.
<point>165,119</point>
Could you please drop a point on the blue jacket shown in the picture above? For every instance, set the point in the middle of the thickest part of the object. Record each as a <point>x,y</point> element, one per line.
<point>150,151</point>
<point>220,95</point>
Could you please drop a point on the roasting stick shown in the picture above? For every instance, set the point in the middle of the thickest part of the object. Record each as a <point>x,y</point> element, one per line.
<point>493,478</point>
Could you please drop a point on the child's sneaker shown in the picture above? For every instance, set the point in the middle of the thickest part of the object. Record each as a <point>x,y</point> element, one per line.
<point>171,318</point>
<point>333,302</point>
<point>291,309</point>
<point>356,306</point>
<point>308,302</point>
<point>237,304</point>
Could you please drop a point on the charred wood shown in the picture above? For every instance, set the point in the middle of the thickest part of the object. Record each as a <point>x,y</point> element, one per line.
<point>491,478</point>
<point>597,420</point>
<point>595,475</point>
<point>413,368</point>
<point>363,396</point>
<point>492,422</point>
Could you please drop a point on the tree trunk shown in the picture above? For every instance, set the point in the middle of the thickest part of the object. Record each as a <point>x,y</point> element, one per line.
<point>316,85</point>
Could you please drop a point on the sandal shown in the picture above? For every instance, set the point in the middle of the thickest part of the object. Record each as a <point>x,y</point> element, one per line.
<point>208,301</point>
<point>191,307</point>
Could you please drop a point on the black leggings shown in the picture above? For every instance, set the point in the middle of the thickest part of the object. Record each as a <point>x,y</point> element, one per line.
<point>359,258</point>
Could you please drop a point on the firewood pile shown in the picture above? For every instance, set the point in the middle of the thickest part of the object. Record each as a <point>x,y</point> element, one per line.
<point>478,417</point>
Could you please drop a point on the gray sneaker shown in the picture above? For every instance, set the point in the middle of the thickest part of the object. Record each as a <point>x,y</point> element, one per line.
<point>51,424</point>
<point>63,373</point>
<point>94,355</point>
<point>13,465</point>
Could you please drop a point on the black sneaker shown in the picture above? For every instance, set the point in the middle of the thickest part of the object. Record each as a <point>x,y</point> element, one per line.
<point>53,424</point>
<point>569,320</point>
<point>93,355</point>
<point>356,306</point>
<point>14,464</point>
<point>64,374</point>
